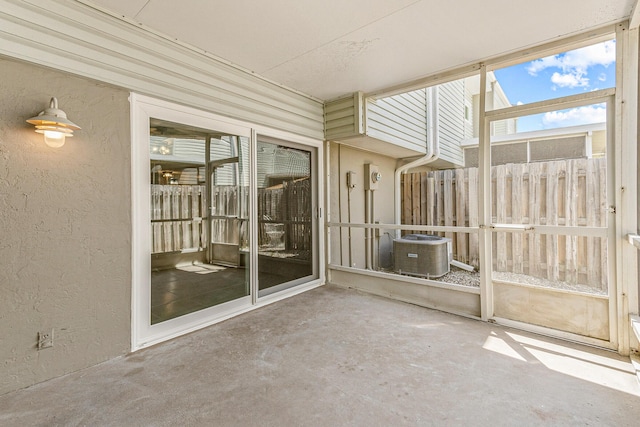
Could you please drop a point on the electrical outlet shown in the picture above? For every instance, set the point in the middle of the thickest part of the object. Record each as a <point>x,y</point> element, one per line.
<point>45,339</point>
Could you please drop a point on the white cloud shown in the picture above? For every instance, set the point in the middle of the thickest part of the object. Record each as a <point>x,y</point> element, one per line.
<point>578,60</point>
<point>540,64</point>
<point>519,103</point>
<point>602,77</point>
<point>576,116</point>
<point>576,79</point>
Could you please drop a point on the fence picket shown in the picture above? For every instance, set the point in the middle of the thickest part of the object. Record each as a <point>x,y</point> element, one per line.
<point>535,207</point>
<point>431,199</point>
<point>406,199</point>
<point>603,215</point>
<point>551,217</point>
<point>571,219</point>
<point>517,192</point>
<point>449,207</point>
<point>415,202</point>
<point>501,217</point>
<point>593,243</point>
<point>472,200</point>
<point>461,215</point>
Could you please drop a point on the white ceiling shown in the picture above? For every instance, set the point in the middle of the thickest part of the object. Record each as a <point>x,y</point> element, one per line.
<point>328,48</point>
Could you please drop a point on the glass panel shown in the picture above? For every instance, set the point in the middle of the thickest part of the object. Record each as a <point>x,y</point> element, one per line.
<point>440,197</point>
<point>445,197</point>
<point>285,216</point>
<point>569,73</point>
<point>558,179</point>
<point>199,190</point>
<point>444,193</point>
<point>451,258</point>
<point>574,263</point>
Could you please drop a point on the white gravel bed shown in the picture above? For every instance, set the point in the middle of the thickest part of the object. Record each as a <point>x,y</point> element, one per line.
<point>545,283</point>
<point>457,276</point>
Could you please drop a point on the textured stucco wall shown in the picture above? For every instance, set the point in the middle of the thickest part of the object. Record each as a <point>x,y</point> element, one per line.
<point>65,227</point>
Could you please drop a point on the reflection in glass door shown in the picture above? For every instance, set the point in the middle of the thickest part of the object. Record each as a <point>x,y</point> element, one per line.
<point>286,212</point>
<point>199,216</point>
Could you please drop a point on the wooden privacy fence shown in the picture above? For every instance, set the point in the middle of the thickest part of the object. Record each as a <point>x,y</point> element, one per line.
<point>286,207</point>
<point>178,213</point>
<point>564,193</point>
<point>176,217</point>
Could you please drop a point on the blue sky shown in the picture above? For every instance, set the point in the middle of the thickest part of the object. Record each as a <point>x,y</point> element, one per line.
<point>578,71</point>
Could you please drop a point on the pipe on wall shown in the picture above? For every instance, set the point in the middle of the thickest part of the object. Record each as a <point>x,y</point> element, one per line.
<point>367,234</point>
<point>433,151</point>
<point>374,234</point>
<point>369,215</point>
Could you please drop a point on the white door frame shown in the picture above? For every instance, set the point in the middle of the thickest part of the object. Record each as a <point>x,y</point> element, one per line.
<point>488,228</point>
<point>143,333</point>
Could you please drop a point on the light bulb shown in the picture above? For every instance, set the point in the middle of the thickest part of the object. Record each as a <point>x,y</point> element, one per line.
<point>54,139</point>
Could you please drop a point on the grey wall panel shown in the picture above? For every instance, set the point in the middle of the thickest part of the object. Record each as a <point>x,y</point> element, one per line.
<point>73,37</point>
<point>560,148</point>
<point>65,216</point>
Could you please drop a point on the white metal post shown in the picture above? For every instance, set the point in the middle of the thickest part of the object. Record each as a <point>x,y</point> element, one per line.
<point>327,211</point>
<point>253,216</point>
<point>484,203</point>
<point>626,183</point>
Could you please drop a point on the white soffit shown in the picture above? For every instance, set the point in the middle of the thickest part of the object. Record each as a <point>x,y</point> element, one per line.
<point>333,47</point>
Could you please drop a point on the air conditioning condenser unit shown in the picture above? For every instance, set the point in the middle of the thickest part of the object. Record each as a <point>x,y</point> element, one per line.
<point>422,255</point>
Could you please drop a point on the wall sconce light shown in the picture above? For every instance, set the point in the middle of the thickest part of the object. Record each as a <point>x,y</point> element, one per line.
<point>53,123</point>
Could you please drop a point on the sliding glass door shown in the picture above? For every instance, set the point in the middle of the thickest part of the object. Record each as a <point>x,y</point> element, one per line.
<point>199,215</point>
<point>223,217</point>
<point>286,215</point>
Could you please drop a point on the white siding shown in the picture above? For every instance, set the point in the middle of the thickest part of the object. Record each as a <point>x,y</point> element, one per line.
<point>504,127</point>
<point>73,37</point>
<point>343,117</point>
<point>399,119</point>
<point>500,100</point>
<point>468,121</point>
<point>451,126</point>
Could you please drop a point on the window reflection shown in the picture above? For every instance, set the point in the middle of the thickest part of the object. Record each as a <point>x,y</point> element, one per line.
<point>199,216</point>
<point>285,234</point>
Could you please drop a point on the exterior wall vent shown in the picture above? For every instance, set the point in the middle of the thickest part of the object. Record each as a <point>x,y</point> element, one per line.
<point>422,255</point>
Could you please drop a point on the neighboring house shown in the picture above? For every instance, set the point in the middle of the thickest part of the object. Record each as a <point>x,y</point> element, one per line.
<point>452,110</point>
<point>445,115</point>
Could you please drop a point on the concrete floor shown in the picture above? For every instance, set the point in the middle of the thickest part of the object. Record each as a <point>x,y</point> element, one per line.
<point>336,357</point>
